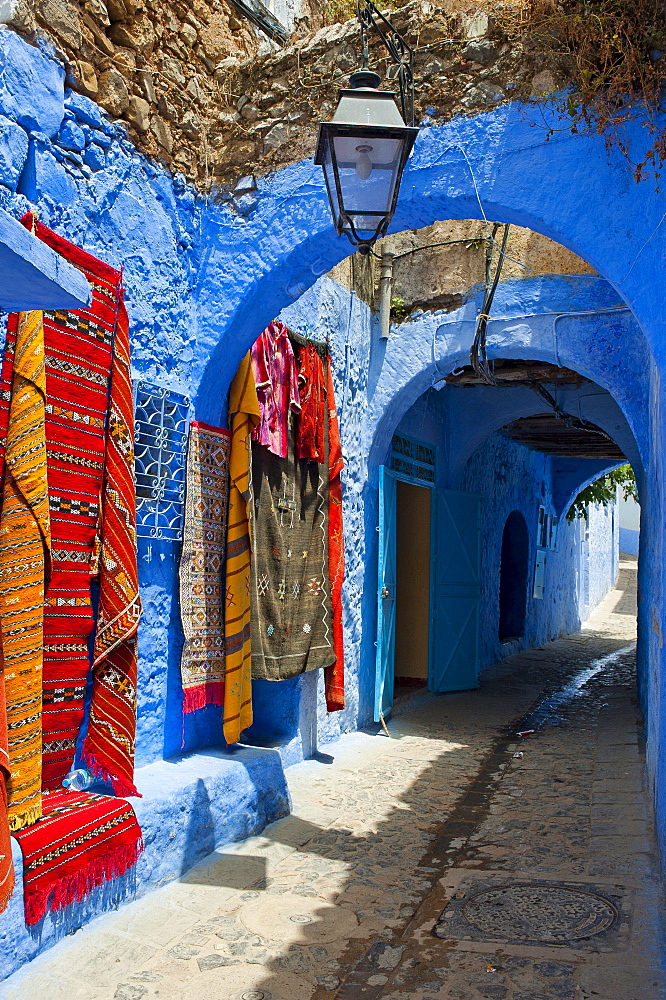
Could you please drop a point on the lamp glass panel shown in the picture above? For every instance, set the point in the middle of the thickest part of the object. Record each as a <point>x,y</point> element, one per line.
<point>365,225</point>
<point>329,176</point>
<point>364,191</point>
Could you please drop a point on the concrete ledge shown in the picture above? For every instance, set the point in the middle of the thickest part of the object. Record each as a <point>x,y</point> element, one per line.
<point>32,276</point>
<point>190,806</point>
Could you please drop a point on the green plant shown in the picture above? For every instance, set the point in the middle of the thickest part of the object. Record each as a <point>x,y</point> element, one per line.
<point>398,309</point>
<point>604,491</point>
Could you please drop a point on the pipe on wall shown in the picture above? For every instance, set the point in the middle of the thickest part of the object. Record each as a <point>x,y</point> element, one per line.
<point>385,288</point>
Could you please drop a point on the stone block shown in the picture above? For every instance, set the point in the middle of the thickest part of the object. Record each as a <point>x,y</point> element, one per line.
<point>86,111</point>
<point>98,9</point>
<point>543,84</point>
<point>13,152</point>
<point>139,35</point>
<point>85,77</point>
<point>71,136</point>
<point>17,13</point>
<point>172,70</point>
<point>138,113</point>
<point>94,157</point>
<point>113,93</point>
<point>147,86</point>
<point>31,85</point>
<point>191,126</point>
<point>62,17</point>
<point>118,10</point>
<point>45,177</point>
<point>162,133</point>
<point>485,95</point>
<point>480,51</point>
<point>276,137</point>
<point>189,34</point>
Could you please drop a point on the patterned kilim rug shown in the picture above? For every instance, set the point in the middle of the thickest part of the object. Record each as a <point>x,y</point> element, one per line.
<point>79,349</point>
<point>243,417</point>
<point>318,411</point>
<point>202,591</point>
<point>82,841</point>
<point>108,748</point>
<point>24,568</point>
<point>291,601</point>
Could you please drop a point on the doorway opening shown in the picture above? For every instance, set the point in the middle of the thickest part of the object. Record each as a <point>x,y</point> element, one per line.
<point>412,587</point>
<point>514,572</point>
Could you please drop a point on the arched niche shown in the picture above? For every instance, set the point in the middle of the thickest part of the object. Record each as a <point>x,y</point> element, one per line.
<point>514,575</point>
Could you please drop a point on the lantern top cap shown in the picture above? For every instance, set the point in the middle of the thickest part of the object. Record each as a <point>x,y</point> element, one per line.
<point>364,78</point>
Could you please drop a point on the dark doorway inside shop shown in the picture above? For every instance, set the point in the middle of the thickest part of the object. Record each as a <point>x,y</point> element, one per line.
<point>514,569</point>
<point>412,587</point>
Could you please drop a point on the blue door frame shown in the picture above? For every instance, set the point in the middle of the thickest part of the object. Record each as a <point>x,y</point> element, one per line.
<point>455,578</point>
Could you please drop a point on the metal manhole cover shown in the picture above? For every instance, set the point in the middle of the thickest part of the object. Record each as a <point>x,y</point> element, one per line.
<point>539,912</point>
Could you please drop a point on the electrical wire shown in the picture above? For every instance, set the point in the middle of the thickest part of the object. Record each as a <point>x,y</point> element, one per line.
<point>478,353</point>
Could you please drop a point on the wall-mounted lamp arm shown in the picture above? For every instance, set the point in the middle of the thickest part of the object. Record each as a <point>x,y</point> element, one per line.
<point>399,50</point>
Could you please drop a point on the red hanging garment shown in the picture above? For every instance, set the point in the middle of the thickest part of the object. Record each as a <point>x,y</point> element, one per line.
<point>335,674</point>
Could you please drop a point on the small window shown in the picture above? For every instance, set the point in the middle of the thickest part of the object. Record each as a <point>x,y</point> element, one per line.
<point>412,458</point>
<point>540,574</point>
<point>160,444</point>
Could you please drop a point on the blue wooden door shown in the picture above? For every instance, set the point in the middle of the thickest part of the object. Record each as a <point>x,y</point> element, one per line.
<point>386,595</point>
<point>455,591</point>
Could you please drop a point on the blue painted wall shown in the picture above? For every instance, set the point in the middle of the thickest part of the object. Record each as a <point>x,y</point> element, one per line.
<point>204,279</point>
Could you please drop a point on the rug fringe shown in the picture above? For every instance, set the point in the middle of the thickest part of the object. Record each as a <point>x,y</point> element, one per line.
<point>27,818</point>
<point>73,888</point>
<point>202,695</point>
<point>120,786</point>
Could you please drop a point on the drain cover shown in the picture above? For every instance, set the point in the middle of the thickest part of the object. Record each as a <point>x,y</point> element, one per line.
<point>546,913</point>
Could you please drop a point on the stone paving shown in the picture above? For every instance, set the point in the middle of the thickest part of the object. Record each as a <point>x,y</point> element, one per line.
<point>453,860</point>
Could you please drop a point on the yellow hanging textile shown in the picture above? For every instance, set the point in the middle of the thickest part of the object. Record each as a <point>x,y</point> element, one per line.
<point>243,418</point>
<point>25,568</point>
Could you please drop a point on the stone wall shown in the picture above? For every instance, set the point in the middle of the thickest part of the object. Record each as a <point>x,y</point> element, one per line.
<point>200,88</point>
<point>441,277</point>
<point>160,67</point>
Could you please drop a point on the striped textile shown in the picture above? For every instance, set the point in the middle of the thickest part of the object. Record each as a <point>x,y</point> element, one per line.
<point>243,417</point>
<point>108,747</point>
<point>79,348</point>
<point>82,841</point>
<point>202,566</point>
<point>25,542</point>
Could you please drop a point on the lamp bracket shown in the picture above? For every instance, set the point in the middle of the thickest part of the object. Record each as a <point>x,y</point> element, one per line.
<point>400,51</point>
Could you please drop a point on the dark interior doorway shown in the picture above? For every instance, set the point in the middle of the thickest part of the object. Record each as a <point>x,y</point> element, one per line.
<point>412,587</point>
<point>514,571</point>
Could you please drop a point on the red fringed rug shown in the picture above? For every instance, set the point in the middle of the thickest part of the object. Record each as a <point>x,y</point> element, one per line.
<point>90,459</point>
<point>82,841</point>
<point>79,350</point>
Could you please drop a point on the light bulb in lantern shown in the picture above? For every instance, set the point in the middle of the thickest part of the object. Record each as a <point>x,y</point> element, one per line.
<point>364,163</point>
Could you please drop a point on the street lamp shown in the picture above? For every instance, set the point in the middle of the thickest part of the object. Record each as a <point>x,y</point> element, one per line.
<point>364,149</point>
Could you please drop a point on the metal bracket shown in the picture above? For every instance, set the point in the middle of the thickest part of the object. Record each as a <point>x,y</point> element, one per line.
<point>399,50</point>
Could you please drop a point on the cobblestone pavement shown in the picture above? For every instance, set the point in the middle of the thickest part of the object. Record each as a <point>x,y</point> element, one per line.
<point>453,860</point>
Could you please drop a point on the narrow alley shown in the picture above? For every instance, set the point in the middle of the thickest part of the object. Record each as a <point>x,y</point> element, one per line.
<point>455,859</point>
